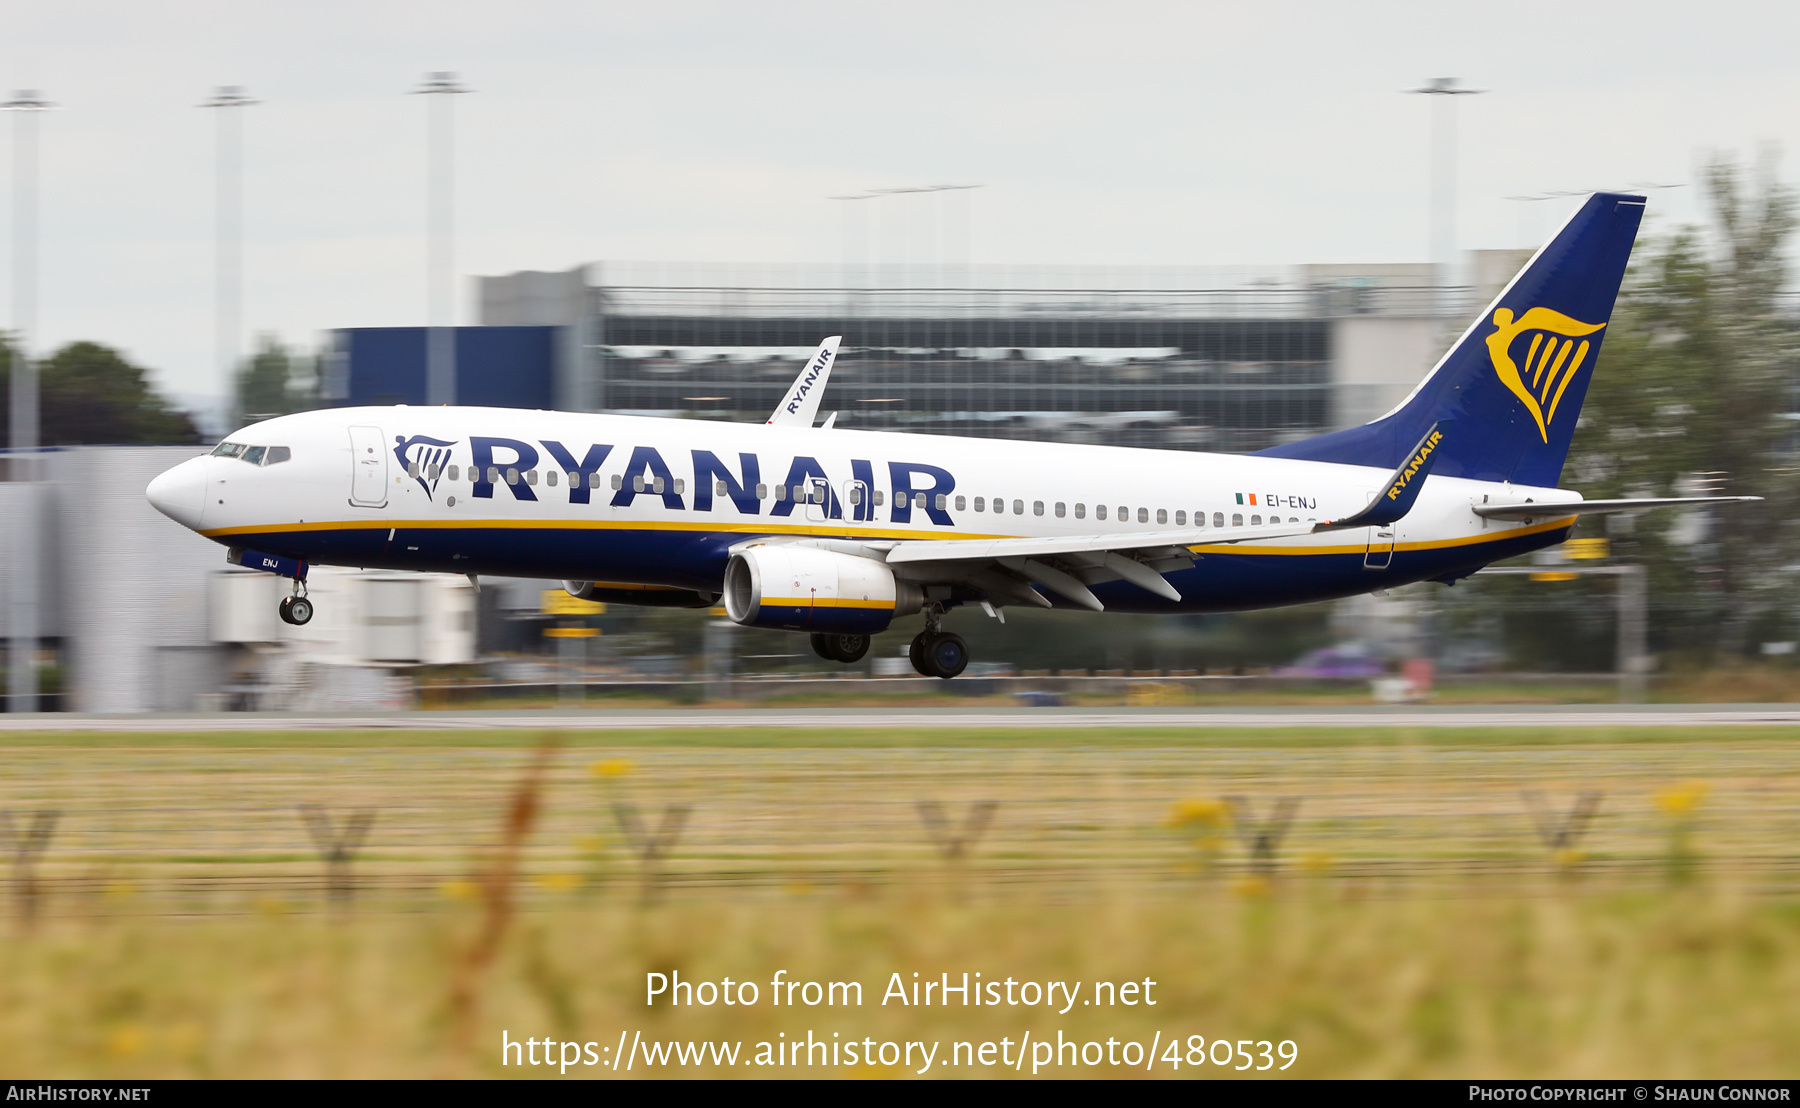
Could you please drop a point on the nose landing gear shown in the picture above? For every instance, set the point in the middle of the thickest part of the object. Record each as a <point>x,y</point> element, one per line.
<point>296,609</point>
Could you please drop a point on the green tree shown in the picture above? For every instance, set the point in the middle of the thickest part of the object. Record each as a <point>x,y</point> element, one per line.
<point>275,381</point>
<point>1693,393</point>
<point>88,393</point>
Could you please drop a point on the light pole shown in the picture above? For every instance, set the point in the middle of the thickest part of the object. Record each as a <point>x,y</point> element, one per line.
<point>228,231</point>
<point>23,604</point>
<point>1443,91</point>
<point>440,350</point>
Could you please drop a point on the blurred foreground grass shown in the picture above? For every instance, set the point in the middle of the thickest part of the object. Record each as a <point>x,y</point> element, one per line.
<point>1418,918</point>
<point>1685,985</point>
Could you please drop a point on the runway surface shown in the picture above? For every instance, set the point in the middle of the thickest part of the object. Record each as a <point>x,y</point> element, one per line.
<point>1584,715</point>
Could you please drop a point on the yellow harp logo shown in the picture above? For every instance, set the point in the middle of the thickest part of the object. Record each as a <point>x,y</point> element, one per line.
<point>1551,361</point>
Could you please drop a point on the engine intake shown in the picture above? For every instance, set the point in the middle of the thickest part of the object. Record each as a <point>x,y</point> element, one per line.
<point>805,588</point>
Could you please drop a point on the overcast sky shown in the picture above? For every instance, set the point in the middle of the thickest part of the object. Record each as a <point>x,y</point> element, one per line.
<point>1119,133</point>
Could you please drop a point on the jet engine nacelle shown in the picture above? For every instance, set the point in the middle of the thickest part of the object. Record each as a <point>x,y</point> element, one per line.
<point>805,588</point>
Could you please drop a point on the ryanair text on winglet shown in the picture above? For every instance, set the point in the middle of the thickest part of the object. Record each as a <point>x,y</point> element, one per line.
<point>1412,467</point>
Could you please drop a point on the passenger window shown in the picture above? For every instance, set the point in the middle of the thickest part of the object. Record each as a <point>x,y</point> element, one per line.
<point>1237,520</point>
<point>960,502</point>
<point>918,500</point>
<point>1218,519</point>
<point>1099,511</point>
<point>455,473</point>
<point>550,477</point>
<point>1162,515</point>
<point>618,482</point>
<point>1037,507</point>
<point>879,497</point>
<point>981,503</point>
<point>799,494</point>
<point>1256,521</point>
<point>854,496</point>
<point>942,501</point>
<point>574,476</point>
<point>999,506</point>
<point>254,455</point>
<point>1018,507</point>
<point>1081,511</point>
<point>531,477</point>
<point>412,469</point>
<point>659,486</point>
<point>1293,519</point>
<point>1060,510</point>
<point>493,477</point>
<point>1181,519</point>
<point>1124,514</point>
<point>780,493</point>
<point>593,480</point>
<point>637,483</point>
<point>512,475</point>
<point>434,472</point>
<point>228,450</point>
<point>762,491</point>
<point>680,486</point>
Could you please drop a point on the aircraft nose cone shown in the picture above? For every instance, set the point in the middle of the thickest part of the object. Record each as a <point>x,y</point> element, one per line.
<point>180,493</point>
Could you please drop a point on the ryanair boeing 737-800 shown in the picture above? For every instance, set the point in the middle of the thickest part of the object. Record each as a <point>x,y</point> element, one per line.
<point>837,532</point>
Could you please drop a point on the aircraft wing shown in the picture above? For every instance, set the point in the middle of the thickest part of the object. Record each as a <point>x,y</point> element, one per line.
<point>1009,568</point>
<point>801,404</point>
<point>1067,566</point>
<point>1547,509</point>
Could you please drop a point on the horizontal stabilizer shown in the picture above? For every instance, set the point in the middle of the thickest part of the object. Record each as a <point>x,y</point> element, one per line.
<point>1599,507</point>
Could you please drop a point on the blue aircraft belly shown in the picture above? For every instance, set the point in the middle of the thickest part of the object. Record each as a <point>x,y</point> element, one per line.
<point>696,560</point>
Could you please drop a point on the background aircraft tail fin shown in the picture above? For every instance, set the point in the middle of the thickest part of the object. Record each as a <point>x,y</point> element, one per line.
<point>1515,380</point>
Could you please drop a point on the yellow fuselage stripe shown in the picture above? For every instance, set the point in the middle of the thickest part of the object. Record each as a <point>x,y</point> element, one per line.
<point>1249,546</point>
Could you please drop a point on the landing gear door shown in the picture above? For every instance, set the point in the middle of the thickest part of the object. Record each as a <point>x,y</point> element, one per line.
<point>368,464</point>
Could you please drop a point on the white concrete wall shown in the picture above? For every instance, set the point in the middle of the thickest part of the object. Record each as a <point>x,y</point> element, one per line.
<point>133,588</point>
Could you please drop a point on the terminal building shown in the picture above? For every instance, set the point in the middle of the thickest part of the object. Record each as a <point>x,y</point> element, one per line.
<point>1171,358</point>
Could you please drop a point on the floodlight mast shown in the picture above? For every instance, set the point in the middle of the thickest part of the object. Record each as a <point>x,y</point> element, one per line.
<point>228,231</point>
<point>22,604</point>
<point>440,351</point>
<point>1443,91</point>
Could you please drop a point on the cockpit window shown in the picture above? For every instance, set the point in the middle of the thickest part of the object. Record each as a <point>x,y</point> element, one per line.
<point>255,455</point>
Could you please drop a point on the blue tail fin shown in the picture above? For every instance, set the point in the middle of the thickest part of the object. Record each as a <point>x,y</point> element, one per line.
<point>1515,380</point>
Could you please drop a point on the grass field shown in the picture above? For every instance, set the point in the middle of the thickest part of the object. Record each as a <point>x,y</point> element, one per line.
<point>1419,915</point>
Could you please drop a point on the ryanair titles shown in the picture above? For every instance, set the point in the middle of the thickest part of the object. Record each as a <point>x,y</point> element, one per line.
<point>495,463</point>
<point>1412,466</point>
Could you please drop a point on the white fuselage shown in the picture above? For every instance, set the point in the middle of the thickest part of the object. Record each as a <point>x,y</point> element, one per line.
<point>407,487</point>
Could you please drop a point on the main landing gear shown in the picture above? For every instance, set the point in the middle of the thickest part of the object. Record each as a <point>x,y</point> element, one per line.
<point>296,609</point>
<point>840,648</point>
<point>936,652</point>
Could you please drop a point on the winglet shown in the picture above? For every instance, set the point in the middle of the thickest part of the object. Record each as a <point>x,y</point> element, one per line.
<point>801,404</point>
<point>1403,485</point>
